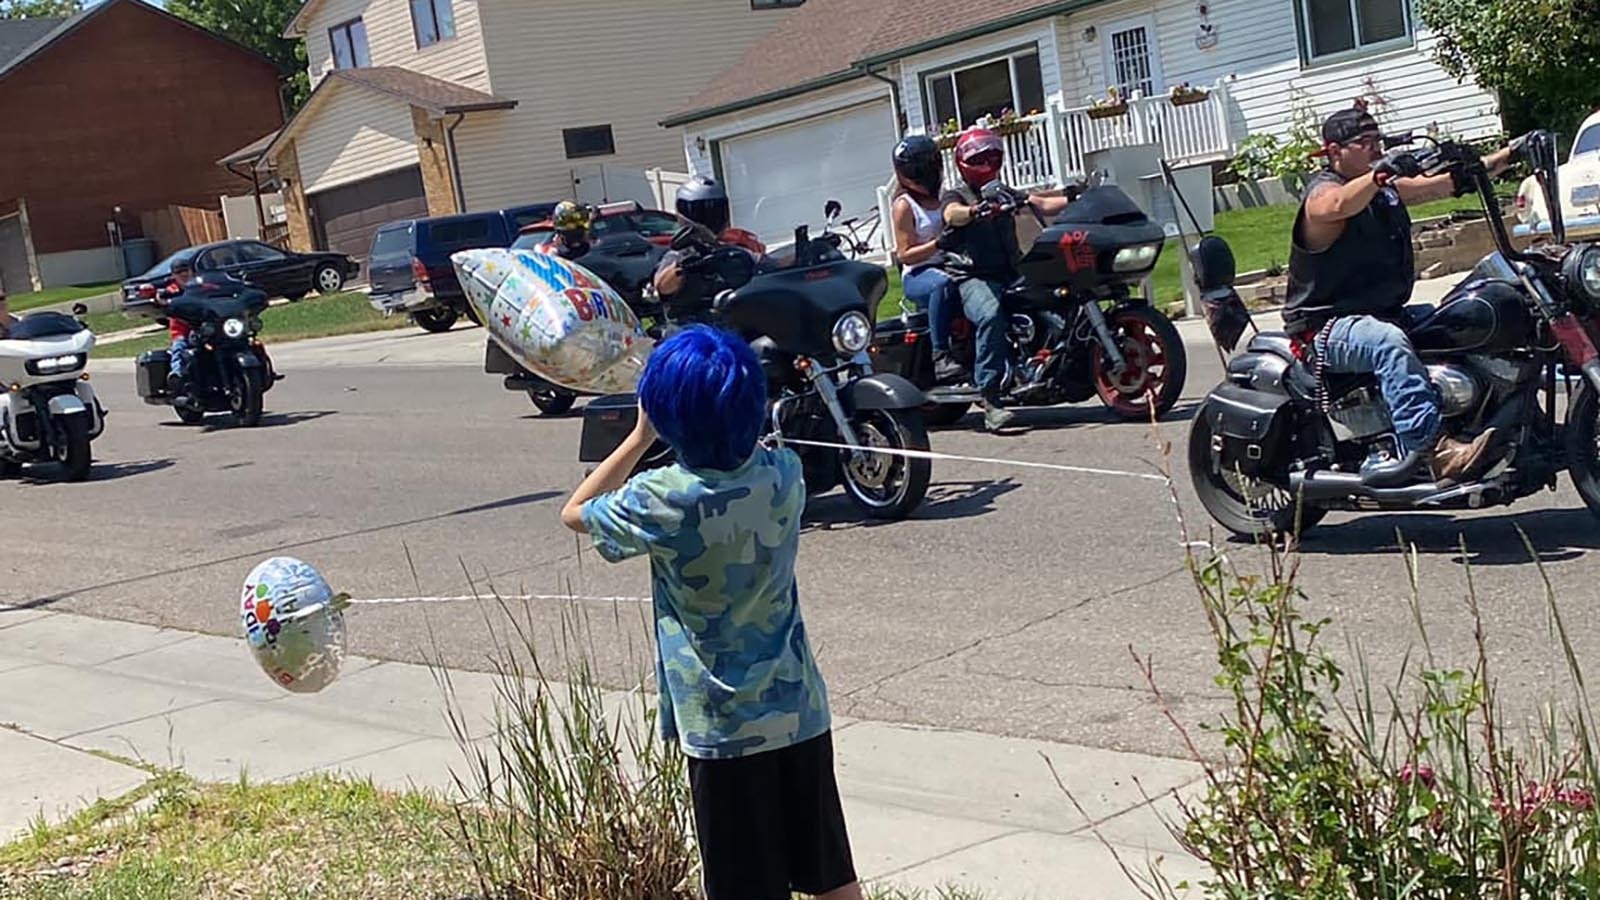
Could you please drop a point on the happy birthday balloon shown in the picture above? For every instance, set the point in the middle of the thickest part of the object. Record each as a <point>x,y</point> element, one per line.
<point>294,623</point>
<point>556,318</point>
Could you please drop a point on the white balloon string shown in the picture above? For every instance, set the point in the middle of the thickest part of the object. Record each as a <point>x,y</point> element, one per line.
<point>469,598</point>
<point>952,457</point>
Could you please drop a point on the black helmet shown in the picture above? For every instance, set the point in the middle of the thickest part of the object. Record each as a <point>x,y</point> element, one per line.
<point>703,201</point>
<point>919,165</point>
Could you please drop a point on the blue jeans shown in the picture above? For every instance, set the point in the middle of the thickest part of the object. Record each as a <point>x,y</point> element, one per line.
<point>179,353</point>
<point>980,300</point>
<point>932,290</point>
<point>1362,344</point>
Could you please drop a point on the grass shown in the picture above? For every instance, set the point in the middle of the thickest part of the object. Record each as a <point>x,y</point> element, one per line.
<point>174,838</point>
<point>312,317</point>
<point>50,296</point>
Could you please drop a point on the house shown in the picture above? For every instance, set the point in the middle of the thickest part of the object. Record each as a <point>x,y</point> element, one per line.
<point>815,109</point>
<point>439,106</point>
<point>118,110</point>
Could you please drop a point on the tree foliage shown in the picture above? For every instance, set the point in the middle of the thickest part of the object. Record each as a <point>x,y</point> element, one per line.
<point>1541,55</point>
<point>39,9</point>
<point>257,24</point>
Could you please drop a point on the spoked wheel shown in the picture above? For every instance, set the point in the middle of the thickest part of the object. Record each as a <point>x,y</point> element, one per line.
<point>1246,506</point>
<point>550,401</point>
<point>885,486</point>
<point>1157,364</point>
<point>329,280</point>
<point>1583,445</point>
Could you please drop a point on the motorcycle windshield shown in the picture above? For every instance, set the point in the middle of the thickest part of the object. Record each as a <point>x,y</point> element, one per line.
<point>197,310</point>
<point>40,325</point>
<point>797,308</point>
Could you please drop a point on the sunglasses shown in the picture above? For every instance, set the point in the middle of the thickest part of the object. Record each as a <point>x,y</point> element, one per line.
<point>1366,140</point>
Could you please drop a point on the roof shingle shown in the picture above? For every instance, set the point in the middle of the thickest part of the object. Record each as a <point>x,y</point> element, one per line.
<point>434,94</point>
<point>18,35</point>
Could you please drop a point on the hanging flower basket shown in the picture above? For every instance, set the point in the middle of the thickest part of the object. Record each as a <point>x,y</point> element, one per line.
<point>946,141</point>
<point>1107,111</point>
<point>1188,98</point>
<point>1006,129</point>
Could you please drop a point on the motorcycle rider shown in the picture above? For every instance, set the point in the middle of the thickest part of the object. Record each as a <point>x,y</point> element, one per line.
<point>704,202</point>
<point>918,220</point>
<point>177,329</point>
<point>991,243</point>
<point>1351,273</point>
<point>572,223</point>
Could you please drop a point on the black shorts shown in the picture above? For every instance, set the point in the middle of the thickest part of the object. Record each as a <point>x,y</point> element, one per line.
<point>771,824</point>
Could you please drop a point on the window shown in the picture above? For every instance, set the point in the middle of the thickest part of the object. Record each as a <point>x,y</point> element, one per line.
<point>460,231</point>
<point>1340,27</point>
<point>1588,142</point>
<point>775,4</point>
<point>1130,63</point>
<point>257,252</point>
<point>594,140</point>
<point>392,242</point>
<point>656,224</point>
<point>432,21</point>
<point>349,41</point>
<point>989,87</point>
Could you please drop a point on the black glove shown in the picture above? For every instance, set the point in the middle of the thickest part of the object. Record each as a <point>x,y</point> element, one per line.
<point>949,239</point>
<point>1398,164</point>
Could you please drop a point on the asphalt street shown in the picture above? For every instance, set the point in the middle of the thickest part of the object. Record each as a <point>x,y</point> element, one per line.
<point>1013,603</point>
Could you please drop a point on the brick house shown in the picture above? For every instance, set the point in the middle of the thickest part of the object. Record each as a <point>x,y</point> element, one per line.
<point>122,105</point>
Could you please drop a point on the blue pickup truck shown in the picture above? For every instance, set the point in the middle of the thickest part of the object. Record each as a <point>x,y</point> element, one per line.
<point>409,264</point>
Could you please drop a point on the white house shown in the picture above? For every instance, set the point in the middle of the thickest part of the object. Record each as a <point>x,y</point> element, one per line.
<point>438,106</point>
<point>815,108</point>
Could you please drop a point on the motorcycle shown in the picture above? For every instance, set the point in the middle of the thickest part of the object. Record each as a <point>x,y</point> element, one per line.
<point>1075,329</point>
<point>1275,447</point>
<point>51,413</point>
<point>228,371</point>
<point>809,320</point>
<point>626,262</point>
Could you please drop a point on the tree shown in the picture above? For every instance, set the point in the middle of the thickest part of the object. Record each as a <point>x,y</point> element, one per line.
<point>1541,55</point>
<point>39,9</point>
<point>257,24</point>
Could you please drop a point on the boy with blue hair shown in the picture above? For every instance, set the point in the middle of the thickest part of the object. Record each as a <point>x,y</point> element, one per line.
<point>740,690</point>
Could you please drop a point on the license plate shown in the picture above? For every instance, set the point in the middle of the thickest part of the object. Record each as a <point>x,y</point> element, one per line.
<point>1587,193</point>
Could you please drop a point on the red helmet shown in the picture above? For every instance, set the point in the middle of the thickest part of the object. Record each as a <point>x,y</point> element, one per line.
<point>979,155</point>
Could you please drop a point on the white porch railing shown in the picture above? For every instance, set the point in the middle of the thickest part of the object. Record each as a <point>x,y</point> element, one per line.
<point>1051,151</point>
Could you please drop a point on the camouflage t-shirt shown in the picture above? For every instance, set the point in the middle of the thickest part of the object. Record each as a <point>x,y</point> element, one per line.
<point>735,670</point>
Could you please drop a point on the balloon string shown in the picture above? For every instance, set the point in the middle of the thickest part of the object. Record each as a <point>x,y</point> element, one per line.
<point>952,457</point>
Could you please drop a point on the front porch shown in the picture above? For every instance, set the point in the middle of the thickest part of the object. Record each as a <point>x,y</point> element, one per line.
<point>1047,151</point>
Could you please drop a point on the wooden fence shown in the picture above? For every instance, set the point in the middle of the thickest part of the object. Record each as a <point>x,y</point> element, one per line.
<point>177,227</point>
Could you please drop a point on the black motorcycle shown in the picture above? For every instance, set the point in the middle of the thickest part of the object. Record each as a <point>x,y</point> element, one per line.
<point>1275,446</point>
<point>626,262</point>
<point>1075,329</point>
<point>228,371</point>
<point>809,320</point>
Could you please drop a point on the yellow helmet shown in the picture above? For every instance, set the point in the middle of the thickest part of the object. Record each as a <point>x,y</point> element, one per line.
<point>569,216</point>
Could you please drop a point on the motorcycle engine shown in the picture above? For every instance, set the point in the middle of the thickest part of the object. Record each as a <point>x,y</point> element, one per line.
<point>1459,392</point>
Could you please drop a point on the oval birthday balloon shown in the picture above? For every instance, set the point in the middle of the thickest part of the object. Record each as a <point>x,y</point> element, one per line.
<point>556,318</point>
<point>294,624</point>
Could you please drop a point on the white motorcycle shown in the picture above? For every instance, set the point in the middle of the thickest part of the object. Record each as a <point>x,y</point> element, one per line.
<point>48,411</point>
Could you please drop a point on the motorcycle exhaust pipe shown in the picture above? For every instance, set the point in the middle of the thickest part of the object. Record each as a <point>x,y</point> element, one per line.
<point>1324,485</point>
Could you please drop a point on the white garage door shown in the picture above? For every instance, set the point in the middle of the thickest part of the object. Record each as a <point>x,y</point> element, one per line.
<point>780,177</point>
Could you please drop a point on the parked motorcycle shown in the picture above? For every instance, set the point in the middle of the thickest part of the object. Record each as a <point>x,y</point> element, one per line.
<point>1274,447</point>
<point>228,371</point>
<point>809,322</point>
<point>625,261</point>
<point>1075,332</point>
<point>50,413</point>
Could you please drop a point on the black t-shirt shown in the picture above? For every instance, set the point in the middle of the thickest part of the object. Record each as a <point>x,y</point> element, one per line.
<point>1369,271</point>
<point>991,244</point>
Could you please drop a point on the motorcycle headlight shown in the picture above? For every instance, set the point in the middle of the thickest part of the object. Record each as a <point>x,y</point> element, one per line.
<point>1135,259</point>
<point>233,328</point>
<point>1582,273</point>
<point>55,365</point>
<point>852,333</point>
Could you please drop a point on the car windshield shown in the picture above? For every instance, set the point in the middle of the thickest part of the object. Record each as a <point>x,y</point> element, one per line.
<point>163,269</point>
<point>1589,141</point>
<point>529,240</point>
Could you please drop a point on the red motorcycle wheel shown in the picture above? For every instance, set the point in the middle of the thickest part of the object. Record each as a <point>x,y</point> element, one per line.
<point>1157,364</point>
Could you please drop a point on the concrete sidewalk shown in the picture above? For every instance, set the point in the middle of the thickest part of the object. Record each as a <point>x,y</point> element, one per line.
<point>926,807</point>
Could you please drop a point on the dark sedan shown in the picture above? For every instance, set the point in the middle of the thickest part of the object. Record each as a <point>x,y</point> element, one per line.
<point>279,273</point>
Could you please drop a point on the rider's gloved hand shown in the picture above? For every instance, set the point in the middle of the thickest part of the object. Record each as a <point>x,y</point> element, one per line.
<point>948,239</point>
<point>1398,164</point>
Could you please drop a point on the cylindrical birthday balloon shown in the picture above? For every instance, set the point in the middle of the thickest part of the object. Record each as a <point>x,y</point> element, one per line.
<point>556,318</point>
<point>294,624</point>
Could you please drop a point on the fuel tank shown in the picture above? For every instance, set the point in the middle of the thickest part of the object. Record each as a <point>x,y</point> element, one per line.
<point>1480,316</point>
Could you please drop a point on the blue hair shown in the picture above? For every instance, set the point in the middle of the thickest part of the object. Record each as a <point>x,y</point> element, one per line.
<point>704,391</point>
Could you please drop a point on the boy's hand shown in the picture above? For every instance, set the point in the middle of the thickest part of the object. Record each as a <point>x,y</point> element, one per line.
<point>644,431</point>
<point>612,473</point>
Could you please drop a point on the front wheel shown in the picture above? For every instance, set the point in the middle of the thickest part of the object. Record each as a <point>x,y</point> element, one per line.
<point>245,399</point>
<point>435,321</point>
<point>328,279</point>
<point>73,451</point>
<point>886,486</point>
<point>1157,364</point>
<point>1248,507</point>
<point>551,401</point>
<point>1583,445</point>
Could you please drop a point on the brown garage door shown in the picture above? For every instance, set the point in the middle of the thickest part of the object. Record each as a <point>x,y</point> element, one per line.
<point>345,217</point>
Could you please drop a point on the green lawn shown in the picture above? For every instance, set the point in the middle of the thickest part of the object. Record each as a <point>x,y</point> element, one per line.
<point>310,318</point>
<point>49,296</point>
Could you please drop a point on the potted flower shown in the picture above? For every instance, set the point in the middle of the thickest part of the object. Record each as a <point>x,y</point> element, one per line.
<point>1184,95</point>
<point>1010,123</point>
<point>949,133</point>
<point>1112,106</point>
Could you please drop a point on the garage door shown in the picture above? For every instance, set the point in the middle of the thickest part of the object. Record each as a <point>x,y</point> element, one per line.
<point>780,177</point>
<point>345,217</point>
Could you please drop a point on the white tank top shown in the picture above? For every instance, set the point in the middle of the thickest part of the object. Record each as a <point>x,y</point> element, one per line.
<point>928,222</point>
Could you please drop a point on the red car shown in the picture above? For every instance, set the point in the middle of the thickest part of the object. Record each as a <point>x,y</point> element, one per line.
<point>653,225</point>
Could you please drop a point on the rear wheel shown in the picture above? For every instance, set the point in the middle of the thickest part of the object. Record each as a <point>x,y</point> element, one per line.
<point>1583,445</point>
<point>551,402</point>
<point>885,486</point>
<point>188,415</point>
<point>435,321</point>
<point>73,451</point>
<point>1246,506</point>
<point>943,415</point>
<point>10,468</point>
<point>1157,364</point>
<point>245,399</point>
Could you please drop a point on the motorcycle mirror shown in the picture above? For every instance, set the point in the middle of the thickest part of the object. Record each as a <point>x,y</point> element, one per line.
<point>832,209</point>
<point>80,310</point>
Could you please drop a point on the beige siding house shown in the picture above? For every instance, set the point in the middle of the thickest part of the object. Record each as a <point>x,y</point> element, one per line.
<point>429,107</point>
<point>804,107</point>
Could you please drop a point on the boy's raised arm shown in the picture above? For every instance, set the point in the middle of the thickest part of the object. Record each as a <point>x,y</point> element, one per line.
<point>611,474</point>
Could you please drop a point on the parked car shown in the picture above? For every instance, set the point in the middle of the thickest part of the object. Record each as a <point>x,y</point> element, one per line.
<point>409,263</point>
<point>1579,179</point>
<point>629,217</point>
<point>278,273</point>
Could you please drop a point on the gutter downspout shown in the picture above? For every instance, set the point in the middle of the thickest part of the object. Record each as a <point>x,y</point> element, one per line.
<point>894,97</point>
<point>455,162</point>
